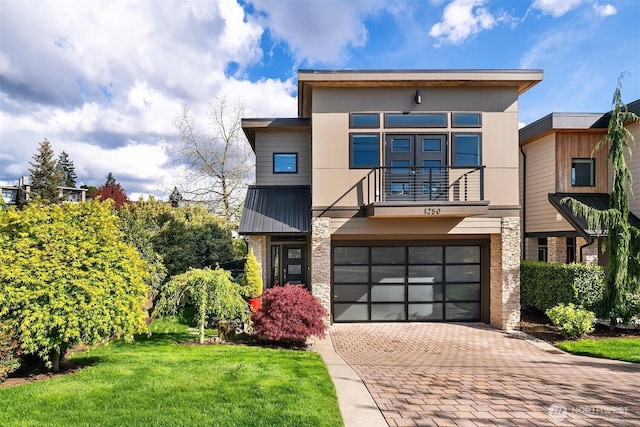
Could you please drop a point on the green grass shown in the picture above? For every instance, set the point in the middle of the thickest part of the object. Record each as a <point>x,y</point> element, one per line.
<point>627,349</point>
<point>158,382</point>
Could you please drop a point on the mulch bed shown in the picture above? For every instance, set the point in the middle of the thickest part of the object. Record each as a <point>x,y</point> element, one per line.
<point>539,326</point>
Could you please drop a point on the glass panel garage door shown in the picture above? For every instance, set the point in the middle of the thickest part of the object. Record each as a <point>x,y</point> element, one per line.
<point>406,283</point>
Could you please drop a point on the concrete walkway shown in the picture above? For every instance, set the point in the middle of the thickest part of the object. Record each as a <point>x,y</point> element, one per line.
<point>472,375</point>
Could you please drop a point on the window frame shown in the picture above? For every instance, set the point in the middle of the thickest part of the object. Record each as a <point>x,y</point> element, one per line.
<point>355,126</point>
<point>286,172</point>
<point>460,113</point>
<point>453,148</point>
<point>416,126</point>
<point>351,151</point>
<point>592,162</point>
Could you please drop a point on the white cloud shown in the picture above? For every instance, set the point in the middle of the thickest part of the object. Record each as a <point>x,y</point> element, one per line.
<point>463,19</point>
<point>605,9</point>
<point>555,8</point>
<point>318,31</point>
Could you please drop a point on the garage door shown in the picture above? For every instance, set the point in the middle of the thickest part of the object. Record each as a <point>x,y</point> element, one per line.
<point>406,283</point>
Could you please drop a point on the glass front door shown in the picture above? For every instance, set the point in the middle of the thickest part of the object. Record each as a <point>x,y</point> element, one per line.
<point>289,264</point>
<point>416,167</point>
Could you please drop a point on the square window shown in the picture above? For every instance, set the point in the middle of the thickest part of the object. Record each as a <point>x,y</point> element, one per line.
<point>583,172</point>
<point>285,162</point>
<point>466,149</point>
<point>431,144</point>
<point>364,120</point>
<point>364,150</point>
<point>400,167</point>
<point>401,145</point>
<point>399,188</point>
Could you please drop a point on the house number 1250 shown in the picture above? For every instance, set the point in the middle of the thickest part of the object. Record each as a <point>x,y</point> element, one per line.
<point>432,211</point>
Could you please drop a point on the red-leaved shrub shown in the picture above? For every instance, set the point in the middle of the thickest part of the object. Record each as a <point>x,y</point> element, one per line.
<point>289,313</point>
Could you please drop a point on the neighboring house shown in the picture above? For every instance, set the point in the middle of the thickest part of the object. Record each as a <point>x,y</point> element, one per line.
<point>394,194</point>
<point>558,160</point>
<point>12,194</point>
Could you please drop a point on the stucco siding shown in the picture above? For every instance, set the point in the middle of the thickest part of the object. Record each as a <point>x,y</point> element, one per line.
<point>414,228</point>
<point>633,162</point>
<point>268,143</point>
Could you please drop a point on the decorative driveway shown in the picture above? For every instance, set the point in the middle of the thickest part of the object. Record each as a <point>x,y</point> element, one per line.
<point>440,374</point>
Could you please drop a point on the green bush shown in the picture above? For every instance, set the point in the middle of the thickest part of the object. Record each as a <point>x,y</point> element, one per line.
<point>545,285</point>
<point>9,350</point>
<point>251,279</point>
<point>572,321</point>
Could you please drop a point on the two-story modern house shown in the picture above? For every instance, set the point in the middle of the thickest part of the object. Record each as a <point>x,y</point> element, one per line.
<point>558,160</point>
<point>393,196</point>
<point>12,194</point>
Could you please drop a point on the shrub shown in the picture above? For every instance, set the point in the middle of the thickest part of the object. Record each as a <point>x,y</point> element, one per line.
<point>545,285</point>
<point>290,314</point>
<point>212,292</point>
<point>9,350</point>
<point>572,321</point>
<point>251,277</point>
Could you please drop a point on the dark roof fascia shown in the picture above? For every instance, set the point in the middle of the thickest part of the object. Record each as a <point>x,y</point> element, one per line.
<point>250,125</point>
<point>560,121</point>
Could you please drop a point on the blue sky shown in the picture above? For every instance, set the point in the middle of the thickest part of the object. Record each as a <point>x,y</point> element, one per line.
<point>103,81</point>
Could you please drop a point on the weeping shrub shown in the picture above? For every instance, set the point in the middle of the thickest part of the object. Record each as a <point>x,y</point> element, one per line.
<point>289,314</point>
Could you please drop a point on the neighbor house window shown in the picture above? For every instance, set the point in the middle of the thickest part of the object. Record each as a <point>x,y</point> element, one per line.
<point>543,250</point>
<point>285,162</point>
<point>466,120</point>
<point>364,150</point>
<point>583,172</point>
<point>415,120</point>
<point>364,120</point>
<point>466,149</point>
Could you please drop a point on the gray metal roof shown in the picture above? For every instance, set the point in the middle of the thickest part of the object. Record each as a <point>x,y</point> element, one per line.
<point>598,201</point>
<point>276,210</point>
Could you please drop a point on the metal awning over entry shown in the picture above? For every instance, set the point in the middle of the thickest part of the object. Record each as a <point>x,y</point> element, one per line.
<point>276,210</point>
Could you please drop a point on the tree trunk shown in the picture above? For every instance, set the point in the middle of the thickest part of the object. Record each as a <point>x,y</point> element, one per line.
<point>55,360</point>
<point>612,323</point>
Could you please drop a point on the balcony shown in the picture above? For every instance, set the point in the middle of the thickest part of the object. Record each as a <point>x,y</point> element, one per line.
<point>443,191</point>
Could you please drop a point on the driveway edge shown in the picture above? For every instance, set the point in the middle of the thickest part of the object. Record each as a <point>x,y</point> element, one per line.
<point>356,403</point>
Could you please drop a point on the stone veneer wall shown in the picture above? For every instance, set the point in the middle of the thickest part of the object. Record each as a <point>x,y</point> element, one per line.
<point>589,253</point>
<point>321,262</point>
<point>259,246</point>
<point>505,276</point>
<point>557,249</point>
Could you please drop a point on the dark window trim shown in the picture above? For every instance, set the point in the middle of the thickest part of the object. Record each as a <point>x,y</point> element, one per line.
<point>353,126</point>
<point>285,172</point>
<point>593,170</point>
<point>430,113</point>
<point>453,120</point>
<point>453,147</point>
<point>351,165</point>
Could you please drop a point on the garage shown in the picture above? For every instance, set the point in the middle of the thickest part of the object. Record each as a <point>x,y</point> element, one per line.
<point>416,282</point>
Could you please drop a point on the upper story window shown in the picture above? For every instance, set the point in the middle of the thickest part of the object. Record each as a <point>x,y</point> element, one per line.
<point>466,120</point>
<point>285,162</point>
<point>466,149</point>
<point>364,150</point>
<point>583,172</point>
<point>364,120</point>
<point>415,120</point>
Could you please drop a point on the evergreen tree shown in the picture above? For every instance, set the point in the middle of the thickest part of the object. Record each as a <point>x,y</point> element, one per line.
<point>67,170</point>
<point>175,198</point>
<point>622,283</point>
<point>44,175</point>
<point>110,179</point>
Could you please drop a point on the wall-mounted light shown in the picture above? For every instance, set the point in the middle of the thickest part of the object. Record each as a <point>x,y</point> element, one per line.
<point>418,97</point>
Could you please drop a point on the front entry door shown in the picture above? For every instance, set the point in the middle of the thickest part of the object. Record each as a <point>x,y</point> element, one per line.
<point>416,167</point>
<point>294,266</point>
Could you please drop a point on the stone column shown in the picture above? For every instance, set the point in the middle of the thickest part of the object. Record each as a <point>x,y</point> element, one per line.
<point>321,262</point>
<point>556,249</point>
<point>589,254</point>
<point>259,246</point>
<point>505,276</point>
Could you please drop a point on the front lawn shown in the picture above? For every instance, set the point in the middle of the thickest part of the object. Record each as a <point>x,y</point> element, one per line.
<point>157,381</point>
<point>627,349</point>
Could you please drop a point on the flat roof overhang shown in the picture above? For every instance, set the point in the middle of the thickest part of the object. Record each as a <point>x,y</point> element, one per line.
<point>251,125</point>
<point>523,80</point>
<point>426,209</point>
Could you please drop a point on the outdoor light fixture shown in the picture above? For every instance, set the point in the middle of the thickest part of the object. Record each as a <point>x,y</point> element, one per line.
<point>418,97</point>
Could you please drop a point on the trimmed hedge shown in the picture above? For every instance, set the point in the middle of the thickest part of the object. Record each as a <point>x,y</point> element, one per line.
<point>545,285</point>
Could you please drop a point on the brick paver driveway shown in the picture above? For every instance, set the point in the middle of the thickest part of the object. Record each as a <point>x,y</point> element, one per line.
<point>474,375</point>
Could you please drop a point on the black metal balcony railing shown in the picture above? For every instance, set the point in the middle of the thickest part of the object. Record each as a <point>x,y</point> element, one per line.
<point>425,184</point>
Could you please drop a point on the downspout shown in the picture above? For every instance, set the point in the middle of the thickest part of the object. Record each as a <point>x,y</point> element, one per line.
<point>523,245</point>
<point>589,243</point>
